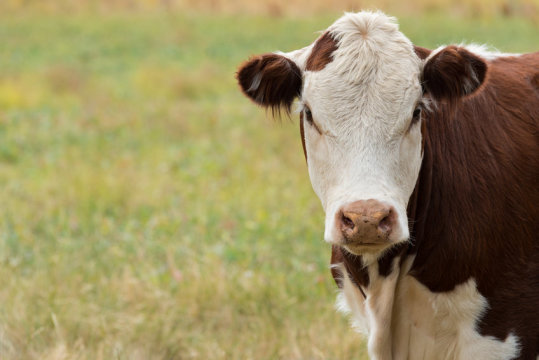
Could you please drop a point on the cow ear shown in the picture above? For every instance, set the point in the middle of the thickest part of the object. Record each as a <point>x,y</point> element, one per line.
<point>270,80</point>
<point>453,72</point>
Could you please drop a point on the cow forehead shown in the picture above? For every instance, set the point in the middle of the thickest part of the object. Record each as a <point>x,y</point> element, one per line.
<point>361,41</point>
<point>361,62</point>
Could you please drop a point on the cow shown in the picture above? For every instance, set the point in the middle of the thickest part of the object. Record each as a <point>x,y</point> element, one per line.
<point>426,163</point>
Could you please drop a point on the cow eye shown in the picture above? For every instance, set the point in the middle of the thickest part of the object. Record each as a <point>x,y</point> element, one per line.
<point>308,115</point>
<point>416,114</point>
<point>309,118</point>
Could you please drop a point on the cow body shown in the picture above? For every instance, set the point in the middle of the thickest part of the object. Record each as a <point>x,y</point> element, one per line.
<point>461,281</point>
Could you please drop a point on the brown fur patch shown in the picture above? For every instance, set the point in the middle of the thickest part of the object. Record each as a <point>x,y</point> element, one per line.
<point>352,263</point>
<point>535,81</point>
<point>322,53</point>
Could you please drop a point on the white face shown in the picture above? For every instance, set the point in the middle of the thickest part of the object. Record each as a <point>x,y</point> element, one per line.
<point>359,88</point>
<point>363,141</point>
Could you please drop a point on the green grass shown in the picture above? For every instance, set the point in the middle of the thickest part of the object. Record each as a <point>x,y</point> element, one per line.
<point>148,210</point>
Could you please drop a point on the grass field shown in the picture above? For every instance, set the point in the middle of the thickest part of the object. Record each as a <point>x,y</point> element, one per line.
<point>148,210</point>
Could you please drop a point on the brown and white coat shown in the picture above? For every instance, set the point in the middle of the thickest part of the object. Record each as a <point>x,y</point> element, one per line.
<point>427,167</point>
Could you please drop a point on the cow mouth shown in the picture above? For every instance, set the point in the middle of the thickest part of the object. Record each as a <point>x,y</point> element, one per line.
<point>370,247</point>
<point>365,247</point>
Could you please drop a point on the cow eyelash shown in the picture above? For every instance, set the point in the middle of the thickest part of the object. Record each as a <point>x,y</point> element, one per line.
<point>308,114</point>
<point>309,117</point>
<point>417,113</point>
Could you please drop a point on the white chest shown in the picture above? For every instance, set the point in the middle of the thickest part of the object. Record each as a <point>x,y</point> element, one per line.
<point>402,319</point>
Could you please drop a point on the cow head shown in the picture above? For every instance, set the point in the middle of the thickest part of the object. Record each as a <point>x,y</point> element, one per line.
<point>361,87</point>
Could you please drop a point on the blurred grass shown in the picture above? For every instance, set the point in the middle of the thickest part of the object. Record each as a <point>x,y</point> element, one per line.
<point>528,9</point>
<point>148,209</point>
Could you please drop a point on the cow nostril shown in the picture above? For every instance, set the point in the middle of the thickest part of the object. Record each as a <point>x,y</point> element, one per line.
<point>385,224</point>
<point>347,222</point>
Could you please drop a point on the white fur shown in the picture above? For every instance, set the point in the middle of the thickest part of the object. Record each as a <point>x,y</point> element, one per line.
<point>404,320</point>
<point>485,52</point>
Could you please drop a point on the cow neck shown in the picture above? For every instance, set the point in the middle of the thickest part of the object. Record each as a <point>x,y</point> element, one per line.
<point>434,243</point>
<point>426,206</point>
<point>419,202</point>
<point>460,226</point>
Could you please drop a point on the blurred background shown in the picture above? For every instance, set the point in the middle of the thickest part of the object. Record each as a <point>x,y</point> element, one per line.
<point>147,209</point>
